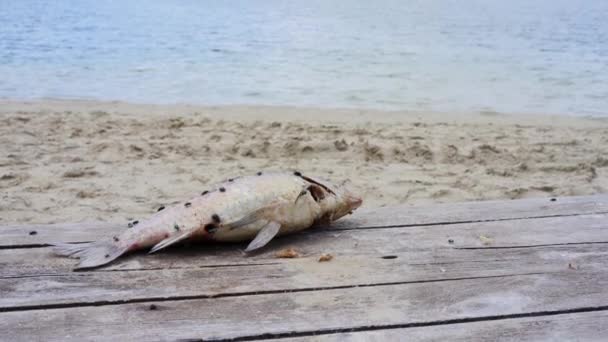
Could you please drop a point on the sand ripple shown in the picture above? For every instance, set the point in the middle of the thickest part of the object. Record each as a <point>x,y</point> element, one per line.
<point>93,164</point>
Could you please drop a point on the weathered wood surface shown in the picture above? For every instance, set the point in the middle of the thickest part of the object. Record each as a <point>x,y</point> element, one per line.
<point>379,241</point>
<point>90,288</point>
<point>472,271</point>
<point>417,252</point>
<point>308,312</point>
<point>584,326</point>
<point>19,235</point>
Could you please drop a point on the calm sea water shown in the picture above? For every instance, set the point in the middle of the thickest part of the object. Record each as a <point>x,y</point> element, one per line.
<point>441,55</point>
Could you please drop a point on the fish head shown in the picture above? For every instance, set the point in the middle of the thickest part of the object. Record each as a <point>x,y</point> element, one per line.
<point>337,200</point>
<point>347,200</point>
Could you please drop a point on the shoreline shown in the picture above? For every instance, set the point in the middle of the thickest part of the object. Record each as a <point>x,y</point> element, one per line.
<point>80,160</point>
<point>252,112</point>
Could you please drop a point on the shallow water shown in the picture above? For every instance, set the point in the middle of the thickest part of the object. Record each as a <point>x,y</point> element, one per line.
<point>542,56</point>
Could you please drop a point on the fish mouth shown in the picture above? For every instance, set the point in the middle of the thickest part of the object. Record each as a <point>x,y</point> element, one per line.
<point>356,202</point>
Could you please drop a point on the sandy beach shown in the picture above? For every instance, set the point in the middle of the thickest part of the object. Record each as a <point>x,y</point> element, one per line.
<point>112,161</point>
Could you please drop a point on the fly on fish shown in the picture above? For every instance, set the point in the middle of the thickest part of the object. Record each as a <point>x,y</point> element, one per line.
<point>251,208</point>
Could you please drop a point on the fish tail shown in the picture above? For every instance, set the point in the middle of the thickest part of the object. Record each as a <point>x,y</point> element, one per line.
<point>91,254</point>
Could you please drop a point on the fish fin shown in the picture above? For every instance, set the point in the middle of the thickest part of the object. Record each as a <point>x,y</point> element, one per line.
<point>317,192</point>
<point>170,241</point>
<point>264,236</point>
<point>314,181</point>
<point>250,218</point>
<point>91,254</point>
<point>302,193</point>
<point>262,214</point>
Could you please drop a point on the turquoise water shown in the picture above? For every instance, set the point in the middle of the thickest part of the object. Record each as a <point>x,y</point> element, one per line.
<point>532,56</point>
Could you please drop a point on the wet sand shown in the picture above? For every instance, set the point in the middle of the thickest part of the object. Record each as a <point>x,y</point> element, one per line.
<point>111,161</point>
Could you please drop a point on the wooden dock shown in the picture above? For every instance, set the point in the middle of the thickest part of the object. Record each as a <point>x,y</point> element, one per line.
<point>533,269</point>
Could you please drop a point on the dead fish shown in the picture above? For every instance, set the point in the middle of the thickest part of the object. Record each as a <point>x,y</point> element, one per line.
<point>255,208</point>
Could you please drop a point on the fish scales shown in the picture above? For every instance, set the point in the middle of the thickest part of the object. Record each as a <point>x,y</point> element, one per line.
<point>242,196</point>
<point>251,207</point>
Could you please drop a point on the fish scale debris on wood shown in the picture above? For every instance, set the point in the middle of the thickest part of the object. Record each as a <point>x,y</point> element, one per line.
<point>255,208</point>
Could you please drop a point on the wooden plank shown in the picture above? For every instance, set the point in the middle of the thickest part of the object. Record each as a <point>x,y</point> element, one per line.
<point>91,288</point>
<point>476,211</point>
<point>307,313</point>
<point>19,235</point>
<point>582,326</point>
<point>417,244</point>
<point>534,266</point>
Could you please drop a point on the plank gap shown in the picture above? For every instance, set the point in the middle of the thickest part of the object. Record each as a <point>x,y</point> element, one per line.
<point>537,246</point>
<point>86,272</point>
<point>319,229</point>
<point>30,245</point>
<point>292,334</point>
<point>248,293</point>
<point>450,223</point>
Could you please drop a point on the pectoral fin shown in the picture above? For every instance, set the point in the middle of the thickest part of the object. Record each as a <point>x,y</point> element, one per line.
<point>264,236</point>
<point>246,220</point>
<point>262,215</point>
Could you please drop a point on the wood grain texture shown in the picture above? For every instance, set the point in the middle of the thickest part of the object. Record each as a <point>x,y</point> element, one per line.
<point>19,235</point>
<point>92,288</point>
<point>476,211</point>
<point>512,270</point>
<point>283,314</point>
<point>415,244</point>
<point>584,326</point>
